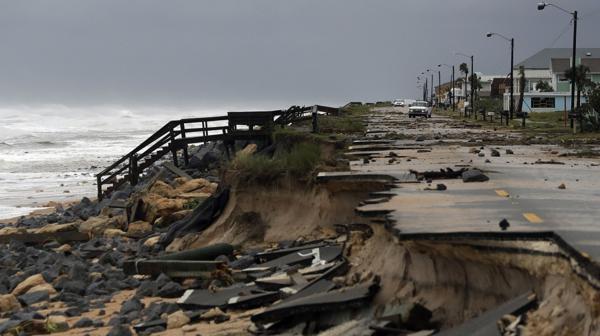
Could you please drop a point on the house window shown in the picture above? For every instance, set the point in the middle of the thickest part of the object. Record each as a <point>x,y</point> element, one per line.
<point>542,102</point>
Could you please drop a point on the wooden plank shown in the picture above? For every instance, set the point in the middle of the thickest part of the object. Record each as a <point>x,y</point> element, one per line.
<point>172,268</point>
<point>486,323</point>
<point>39,238</point>
<point>176,170</point>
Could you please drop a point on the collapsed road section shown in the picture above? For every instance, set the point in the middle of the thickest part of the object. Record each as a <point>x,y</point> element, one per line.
<point>308,235</point>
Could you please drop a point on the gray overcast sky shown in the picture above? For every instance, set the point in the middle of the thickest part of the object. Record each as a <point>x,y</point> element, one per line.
<point>215,53</point>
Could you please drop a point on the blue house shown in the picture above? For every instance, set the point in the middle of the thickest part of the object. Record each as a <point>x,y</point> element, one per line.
<point>549,65</point>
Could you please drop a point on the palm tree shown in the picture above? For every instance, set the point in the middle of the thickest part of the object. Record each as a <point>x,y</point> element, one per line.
<point>464,68</point>
<point>522,81</point>
<point>580,74</point>
<point>543,86</point>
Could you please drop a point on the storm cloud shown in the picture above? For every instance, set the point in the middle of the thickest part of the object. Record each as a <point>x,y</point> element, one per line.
<point>214,53</point>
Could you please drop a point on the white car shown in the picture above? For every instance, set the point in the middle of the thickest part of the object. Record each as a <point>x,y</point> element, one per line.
<point>419,109</point>
<point>398,102</point>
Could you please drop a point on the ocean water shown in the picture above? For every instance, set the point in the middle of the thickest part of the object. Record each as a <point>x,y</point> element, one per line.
<point>52,153</point>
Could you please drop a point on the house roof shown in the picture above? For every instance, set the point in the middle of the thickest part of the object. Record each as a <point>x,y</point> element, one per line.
<point>541,60</point>
<point>560,65</point>
<point>592,63</point>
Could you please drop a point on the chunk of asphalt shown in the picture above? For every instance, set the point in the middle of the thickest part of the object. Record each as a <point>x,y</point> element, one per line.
<point>474,175</point>
<point>307,306</point>
<point>35,297</point>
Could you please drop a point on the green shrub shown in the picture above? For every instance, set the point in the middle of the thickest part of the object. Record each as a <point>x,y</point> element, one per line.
<point>298,161</point>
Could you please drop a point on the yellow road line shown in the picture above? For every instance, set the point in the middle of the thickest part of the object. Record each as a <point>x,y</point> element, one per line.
<point>502,193</point>
<point>533,218</point>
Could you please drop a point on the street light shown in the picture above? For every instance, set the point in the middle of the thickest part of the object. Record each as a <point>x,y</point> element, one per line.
<point>425,87</point>
<point>431,95</point>
<point>472,83</point>
<point>541,6</point>
<point>452,99</point>
<point>512,82</point>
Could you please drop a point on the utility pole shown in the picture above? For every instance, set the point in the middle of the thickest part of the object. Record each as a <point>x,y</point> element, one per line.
<point>452,95</point>
<point>512,81</point>
<point>473,89</point>
<point>574,72</point>
<point>439,92</point>
<point>432,92</point>
<point>541,6</point>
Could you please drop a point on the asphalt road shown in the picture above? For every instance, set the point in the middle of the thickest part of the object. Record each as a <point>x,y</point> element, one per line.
<point>520,190</point>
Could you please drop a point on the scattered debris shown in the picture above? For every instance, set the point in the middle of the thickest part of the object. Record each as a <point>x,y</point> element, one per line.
<point>447,173</point>
<point>539,161</point>
<point>504,224</point>
<point>474,175</point>
<point>562,186</point>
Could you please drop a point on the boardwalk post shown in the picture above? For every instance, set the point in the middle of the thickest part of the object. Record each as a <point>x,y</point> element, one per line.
<point>315,122</point>
<point>173,149</point>
<point>99,185</point>
<point>133,169</point>
<point>186,157</point>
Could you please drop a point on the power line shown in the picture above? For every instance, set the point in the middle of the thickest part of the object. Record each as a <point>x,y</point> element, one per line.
<point>561,34</point>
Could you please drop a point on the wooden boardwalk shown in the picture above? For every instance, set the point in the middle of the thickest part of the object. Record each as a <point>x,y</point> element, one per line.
<point>175,136</point>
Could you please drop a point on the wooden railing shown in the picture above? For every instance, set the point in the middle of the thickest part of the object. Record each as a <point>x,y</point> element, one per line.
<point>176,135</point>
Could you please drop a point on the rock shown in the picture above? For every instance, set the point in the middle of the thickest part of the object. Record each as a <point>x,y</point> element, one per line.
<point>120,330</point>
<point>54,228</point>
<point>195,185</point>
<point>84,322</point>
<point>212,314</point>
<point>73,311</point>
<point>111,233</point>
<point>441,186</point>
<point>74,286</point>
<point>44,287</point>
<point>57,323</point>
<point>562,186</point>
<point>206,156</point>
<point>139,229</point>
<point>133,304</point>
<point>34,297</point>
<point>481,154</point>
<point>27,284</point>
<point>151,241</point>
<point>97,225</point>
<point>188,328</point>
<point>157,309</point>
<point>153,330</point>
<point>177,320</point>
<point>156,206</point>
<point>474,150</point>
<point>163,189</point>
<point>495,153</point>
<point>63,248</point>
<point>170,290</point>
<point>146,288</point>
<point>8,303</point>
<point>509,151</point>
<point>474,175</point>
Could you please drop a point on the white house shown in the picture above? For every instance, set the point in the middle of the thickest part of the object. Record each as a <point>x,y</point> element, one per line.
<point>549,65</point>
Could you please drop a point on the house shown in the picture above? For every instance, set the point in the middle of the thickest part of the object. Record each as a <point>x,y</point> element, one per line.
<point>490,85</point>
<point>549,65</point>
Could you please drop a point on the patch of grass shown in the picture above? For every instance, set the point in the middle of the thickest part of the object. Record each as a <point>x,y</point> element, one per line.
<point>349,121</point>
<point>192,203</point>
<point>299,161</point>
